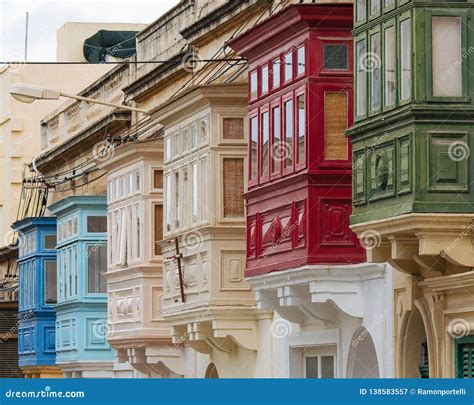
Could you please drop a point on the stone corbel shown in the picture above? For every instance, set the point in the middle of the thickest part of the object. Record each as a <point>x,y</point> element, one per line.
<point>166,359</point>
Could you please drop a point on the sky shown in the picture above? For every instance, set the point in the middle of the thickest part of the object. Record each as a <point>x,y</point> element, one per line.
<point>46,16</point>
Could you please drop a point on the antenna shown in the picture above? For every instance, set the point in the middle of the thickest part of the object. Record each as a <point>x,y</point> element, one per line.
<point>26,36</point>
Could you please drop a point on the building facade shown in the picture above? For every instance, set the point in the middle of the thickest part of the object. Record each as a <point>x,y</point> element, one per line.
<point>412,193</point>
<point>37,297</point>
<point>303,261</point>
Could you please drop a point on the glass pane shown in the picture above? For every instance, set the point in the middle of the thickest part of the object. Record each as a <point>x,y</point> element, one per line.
<point>97,223</point>
<point>253,85</point>
<point>361,10</point>
<point>327,367</point>
<point>301,128</point>
<point>374,69</point>
<point>288,146</point>
<point>253,146</point>
<point>374,7</point>
<point>265,141</point>
<point>276,73</point>
<point>276,150</point>
<point>361,78</point>
<point>405,59</point>
<point>193,135</point>
<point>288,66</point>
<point>50,241</point>
<point>311,367</point>
<point>264,79</point>
<point>168,203</point>
<point>335,56</point>
<point>168,148</point>
<point>177,204</point>
<point>194,192</point>
<point>97,266</point>
<point>389,3</point>
<point>50,282</point>
<point>447,58</point>
<point>301,60</point>
<point>390,55</point>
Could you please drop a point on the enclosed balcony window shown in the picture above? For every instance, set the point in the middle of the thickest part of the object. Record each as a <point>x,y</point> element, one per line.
<point>361,10</point>
<point>265,144</point>
<point>276,148</point>
<point>361,88</point>
<point>447,56</point>
<point>374,68</point>
<point>253,85</point>
<point>168,152</point>
<point>335,57</point>
<point>288,66</point>
<point>374,7</point>
<point>253,147</point>
<point>265,79</point>
<point>168,203</point>
<point>193,136</point>
<point>177,202</point>
<point>276,73</point>
<point>287,151</point>
<point>96,269</point>
<point>301,128</point>
<point>49,242</point>
<point>389,65</point>
<point>194,192</point>
<point>50,282</point>
<point>96,223</point>
<point>301,60</point>
<point>405,60</point>
<point>233,186</point>
<point>319,367</point>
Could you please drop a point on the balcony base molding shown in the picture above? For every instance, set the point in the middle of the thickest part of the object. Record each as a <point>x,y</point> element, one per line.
<point>317,294</point>
<point>86,369</point>
<point>153,359</point>
<point>221,329</point>
<point>42,372</point>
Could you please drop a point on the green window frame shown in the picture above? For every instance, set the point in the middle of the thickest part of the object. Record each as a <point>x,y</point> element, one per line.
<point>374,62</point>
<point>360,73</point>
<point>387,55</point>
<point>405,20</point>
<point>464,353</point>
<point>463,16</point>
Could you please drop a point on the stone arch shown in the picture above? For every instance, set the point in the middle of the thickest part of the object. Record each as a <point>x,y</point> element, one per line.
<point>415,332</point>
<point>362,361</point>
<point>211,371</point>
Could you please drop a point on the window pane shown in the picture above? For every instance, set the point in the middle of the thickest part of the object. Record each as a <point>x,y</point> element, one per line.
<point>168,148</point>
<point>233,175</point>
<point>288,66</point>
<point>375,78</point>
<point>301,60</point>
<point>301,129</point>
<point>233,128</point>
<point>265,142</point>
<point>335,123</point>
<point>335,57</point>
<point>97,223</point>
<point>312,367</point>
<point>264,79</point>
<point>253,147</point>
<point>276,150</point>
<point>405,59</point>
<point>168,203</point>
<point>276,73</point>
<point>97,266</point>
<point>158,228</point>
<point>50,282</point>
<point>389,3</point>
<point>447,58</point>
<point>327,367</point>
<point>177,204</point>
<point>361,79</point>
<point>374,7</point>
<point>194,192</point>
<point>49,241</point>
<point>361,10</point>
<point>157,178</point>
<point>253,85</point>
<point>390,55</point>
<point>193,135</point>
<point>288,146</point>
